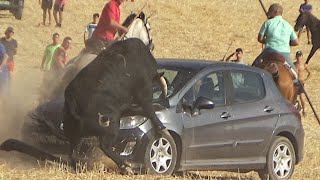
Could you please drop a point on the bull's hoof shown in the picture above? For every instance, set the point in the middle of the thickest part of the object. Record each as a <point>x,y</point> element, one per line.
<point>127,171</point>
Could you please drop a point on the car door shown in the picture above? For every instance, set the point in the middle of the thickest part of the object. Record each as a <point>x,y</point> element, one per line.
<point>206,135</point>
<point>254,114</point>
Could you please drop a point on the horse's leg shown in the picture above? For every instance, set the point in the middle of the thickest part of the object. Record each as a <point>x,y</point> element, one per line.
<point>302,104</point>
<point>106,145</point>
<point>308,34</point>
<point>312,51</point>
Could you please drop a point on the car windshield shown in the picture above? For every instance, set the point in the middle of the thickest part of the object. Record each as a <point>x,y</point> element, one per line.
<point>176,78</point>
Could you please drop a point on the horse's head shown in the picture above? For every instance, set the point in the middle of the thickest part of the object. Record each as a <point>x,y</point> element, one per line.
<point>302,20</point>
<point>139,27</point>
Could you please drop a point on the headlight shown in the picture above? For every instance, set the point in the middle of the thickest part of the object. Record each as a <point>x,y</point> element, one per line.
<point>131,122</point>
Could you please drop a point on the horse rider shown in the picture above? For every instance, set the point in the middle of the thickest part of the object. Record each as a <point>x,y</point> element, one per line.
<point>109,23</point>
<point>277,35</point>
<point>108,26</point>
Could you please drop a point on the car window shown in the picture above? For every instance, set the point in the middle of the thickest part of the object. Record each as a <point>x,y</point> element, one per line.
<point>247,86</point>
<point>210,86</point>
<point>175,78</point>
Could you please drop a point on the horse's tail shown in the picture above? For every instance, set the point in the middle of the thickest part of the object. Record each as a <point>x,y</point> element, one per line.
<point>16,145</point>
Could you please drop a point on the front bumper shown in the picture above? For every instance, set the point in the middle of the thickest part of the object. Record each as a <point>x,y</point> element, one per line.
<point>131,144</point>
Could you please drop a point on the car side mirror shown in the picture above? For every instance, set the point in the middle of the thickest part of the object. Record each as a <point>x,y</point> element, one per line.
<point>202,103</point>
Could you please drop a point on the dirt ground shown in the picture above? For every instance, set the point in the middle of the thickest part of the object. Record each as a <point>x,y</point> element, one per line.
<point>202,29</point>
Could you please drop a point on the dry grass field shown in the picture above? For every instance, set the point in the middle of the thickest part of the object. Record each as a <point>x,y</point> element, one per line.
<point>201,29</point>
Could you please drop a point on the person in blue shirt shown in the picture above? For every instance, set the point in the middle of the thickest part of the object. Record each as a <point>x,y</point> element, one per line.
<point>277,35</point>
<point>303,8</point>
<point>4,74</point>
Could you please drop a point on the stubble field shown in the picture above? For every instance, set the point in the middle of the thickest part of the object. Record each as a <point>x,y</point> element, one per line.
<point>202,29</point>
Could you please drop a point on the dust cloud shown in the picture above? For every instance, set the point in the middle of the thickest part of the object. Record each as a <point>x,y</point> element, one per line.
<point>21,98</point>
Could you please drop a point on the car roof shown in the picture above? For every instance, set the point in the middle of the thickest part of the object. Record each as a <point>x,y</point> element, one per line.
<point>200,64</point>
<point>190,64</point>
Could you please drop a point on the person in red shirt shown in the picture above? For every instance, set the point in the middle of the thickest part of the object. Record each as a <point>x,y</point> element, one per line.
<point>60,56</point>
<point>109,23</point>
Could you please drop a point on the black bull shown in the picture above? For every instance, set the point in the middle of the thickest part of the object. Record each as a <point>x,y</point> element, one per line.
<point>97,97</point>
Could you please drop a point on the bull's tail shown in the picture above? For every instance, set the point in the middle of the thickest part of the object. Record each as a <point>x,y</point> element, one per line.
<point>16,145</point>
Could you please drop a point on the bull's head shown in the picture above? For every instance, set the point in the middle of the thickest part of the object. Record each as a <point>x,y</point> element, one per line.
<point>104,120</point>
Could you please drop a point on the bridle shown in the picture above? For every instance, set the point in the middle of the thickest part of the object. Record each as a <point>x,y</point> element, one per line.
<point>147,28</point>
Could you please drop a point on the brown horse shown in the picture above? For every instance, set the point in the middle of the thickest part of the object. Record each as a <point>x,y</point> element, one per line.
<point>273,62</point>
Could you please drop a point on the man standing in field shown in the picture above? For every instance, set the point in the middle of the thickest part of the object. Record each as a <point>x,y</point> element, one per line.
<point>46,66</point>
<point>302,69</point>
<point>60,57</point>
<point>48,53</point>
<point>46,6</point>
<point>3,70</point>
<point>58,7</point>
<point>109,23</point>
<point>11,46</point>
<point>91,27</point>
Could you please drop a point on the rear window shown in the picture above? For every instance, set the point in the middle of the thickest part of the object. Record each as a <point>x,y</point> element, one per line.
<point>247,86</point>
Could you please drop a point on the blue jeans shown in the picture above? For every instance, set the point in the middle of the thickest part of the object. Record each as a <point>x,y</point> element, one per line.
<point>4,80</point>
<point>286,56</point>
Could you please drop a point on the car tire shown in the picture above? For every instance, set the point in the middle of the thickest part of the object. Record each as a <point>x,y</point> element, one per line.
<point>161,155</point>
<point>280,160</point>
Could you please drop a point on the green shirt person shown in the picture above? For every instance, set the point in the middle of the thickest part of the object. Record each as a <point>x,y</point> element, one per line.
<point>48,53</point>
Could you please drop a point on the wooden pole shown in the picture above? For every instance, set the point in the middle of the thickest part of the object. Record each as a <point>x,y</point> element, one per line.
<point>264,9</point>
<point>308,99</point>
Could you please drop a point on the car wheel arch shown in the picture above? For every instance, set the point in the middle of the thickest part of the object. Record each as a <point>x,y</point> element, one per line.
<point>178,141</point>
<point>168,138</point>
<point>293,141</point>
<point>268,171</point>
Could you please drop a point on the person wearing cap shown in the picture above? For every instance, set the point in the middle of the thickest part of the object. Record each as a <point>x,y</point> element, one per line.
<point>302,69</point>
<point>109,23</point>
<point>303,8</point>
<point>46,6</point>
<point>277,35</point>
<point>91,27</point>
<point>11,46</point>
<point>238,54</point>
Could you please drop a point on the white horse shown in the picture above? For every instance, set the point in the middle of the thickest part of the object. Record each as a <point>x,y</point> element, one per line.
<point>139,27</point>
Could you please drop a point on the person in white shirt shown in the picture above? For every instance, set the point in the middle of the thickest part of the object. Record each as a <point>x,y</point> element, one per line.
<point>91,27</point>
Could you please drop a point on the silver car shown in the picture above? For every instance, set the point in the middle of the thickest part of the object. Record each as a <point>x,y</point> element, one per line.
<point>221,116</point>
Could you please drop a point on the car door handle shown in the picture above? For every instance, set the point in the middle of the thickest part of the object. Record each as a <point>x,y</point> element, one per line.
<point>268,109</point>
<point>225,115</point>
